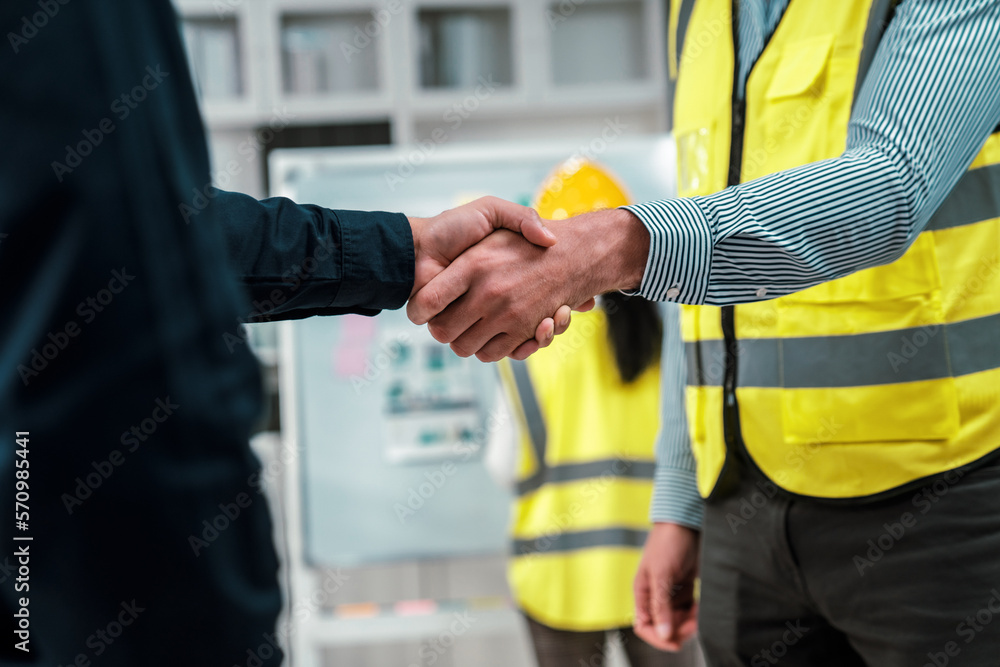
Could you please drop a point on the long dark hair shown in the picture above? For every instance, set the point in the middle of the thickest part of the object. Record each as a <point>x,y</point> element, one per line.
<point>635,331</point>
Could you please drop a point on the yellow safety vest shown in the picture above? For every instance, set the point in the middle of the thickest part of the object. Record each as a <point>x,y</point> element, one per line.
<point>861,386</point>
<point>584,479</point>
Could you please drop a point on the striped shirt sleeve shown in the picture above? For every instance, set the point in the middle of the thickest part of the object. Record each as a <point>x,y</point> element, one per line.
<point>675,489</point>
<point>925,109</point>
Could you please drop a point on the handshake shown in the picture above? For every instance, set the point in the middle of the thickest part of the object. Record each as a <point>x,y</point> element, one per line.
<point>492,279</point>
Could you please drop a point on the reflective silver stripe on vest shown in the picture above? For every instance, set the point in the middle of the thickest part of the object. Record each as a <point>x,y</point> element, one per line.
<point>532,411</point>
<point>574,472</point>
<point>587,539</point>
<point>568,472</point>
<point>976,197</point>
<point>887,357</point>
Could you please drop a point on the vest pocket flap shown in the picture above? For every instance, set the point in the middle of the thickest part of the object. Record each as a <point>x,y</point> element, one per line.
<point>908,412</point>
<point>800,67</point>
<point>915,273</point>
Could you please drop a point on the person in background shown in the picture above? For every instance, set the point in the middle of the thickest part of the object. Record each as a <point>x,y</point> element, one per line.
<point>589,407</point>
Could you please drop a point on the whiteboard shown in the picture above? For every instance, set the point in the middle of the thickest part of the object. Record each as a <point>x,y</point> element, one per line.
<point>423,181</point>
<point>390,424</point>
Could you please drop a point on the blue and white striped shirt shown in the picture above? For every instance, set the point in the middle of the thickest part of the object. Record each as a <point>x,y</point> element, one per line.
<point>930,100</point>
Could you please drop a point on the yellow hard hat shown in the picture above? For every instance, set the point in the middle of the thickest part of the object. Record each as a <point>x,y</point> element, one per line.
<point>578,186</point>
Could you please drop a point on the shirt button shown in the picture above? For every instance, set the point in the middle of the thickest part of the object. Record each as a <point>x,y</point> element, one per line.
<point>762,292</point>
<point>673,292</point>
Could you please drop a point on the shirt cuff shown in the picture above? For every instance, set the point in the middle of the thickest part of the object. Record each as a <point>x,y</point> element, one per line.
<point>680,250</point>
<point>378,260</point>
<point>676,498</point>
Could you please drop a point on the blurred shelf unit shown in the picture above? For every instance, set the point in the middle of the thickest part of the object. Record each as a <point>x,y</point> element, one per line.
<point>214,56</point>
<point>410,61</point>
<point>460,46</point>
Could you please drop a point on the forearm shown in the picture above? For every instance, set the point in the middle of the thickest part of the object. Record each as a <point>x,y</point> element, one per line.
<point>617,244</point>
<point>675,491</point>
<point>775,235</point>
<point>909,141</point>
<point>297,260</point>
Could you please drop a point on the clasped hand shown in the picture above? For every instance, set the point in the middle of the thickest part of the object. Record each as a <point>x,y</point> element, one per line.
<point>493,280</point>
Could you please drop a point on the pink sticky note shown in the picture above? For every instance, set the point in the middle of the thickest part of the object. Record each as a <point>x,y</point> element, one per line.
<point>356,335</point>
<point>415,607</point>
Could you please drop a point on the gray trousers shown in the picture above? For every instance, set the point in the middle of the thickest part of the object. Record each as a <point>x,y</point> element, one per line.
<point>913,581</point>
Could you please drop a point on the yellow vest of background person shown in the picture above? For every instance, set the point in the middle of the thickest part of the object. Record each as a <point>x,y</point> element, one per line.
<point>585,465</point>
<point>868,384</point>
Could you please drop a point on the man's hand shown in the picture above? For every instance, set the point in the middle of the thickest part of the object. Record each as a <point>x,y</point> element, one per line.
<point>666,614</point>
<point>492,297</point>
<point>439,240</point>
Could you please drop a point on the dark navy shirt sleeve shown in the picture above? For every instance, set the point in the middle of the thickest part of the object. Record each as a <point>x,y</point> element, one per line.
<point>298,260</point>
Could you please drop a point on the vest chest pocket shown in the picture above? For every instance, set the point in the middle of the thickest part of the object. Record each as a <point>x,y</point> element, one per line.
<point>901,295</point>
<point>795,95</point>
<point>800,67</point>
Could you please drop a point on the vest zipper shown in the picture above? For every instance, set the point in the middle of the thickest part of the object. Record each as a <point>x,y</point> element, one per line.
<point>738,123</point>
<point>732,434</point>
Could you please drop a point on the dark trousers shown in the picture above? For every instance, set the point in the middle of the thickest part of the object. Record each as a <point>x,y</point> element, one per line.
<point>913,581</point>
<point>564,648</point>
